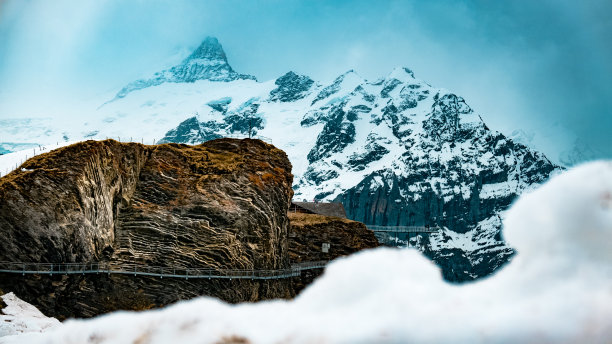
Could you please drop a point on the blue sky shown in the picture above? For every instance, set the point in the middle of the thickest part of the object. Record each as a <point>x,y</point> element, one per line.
<point>520,63</point>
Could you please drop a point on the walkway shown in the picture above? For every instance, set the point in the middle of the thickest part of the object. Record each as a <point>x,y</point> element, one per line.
<point>403,229</point>
<point>155,271</point>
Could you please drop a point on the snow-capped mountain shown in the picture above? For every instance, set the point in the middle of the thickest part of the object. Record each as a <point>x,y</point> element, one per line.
<point>396,151</point>
<point>207,62</point>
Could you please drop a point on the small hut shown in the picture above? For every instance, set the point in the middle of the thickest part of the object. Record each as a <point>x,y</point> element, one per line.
<point>326,209</point>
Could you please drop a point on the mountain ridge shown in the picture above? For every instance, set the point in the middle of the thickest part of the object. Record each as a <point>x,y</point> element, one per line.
<point>207,62</point>
<point>395,151</point>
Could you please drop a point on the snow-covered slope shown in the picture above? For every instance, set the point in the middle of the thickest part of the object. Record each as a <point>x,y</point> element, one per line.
<point>395,151</point>
<point>207,62</point>
<point>11,161</point>
<point>20,317</point>
<point>556,290</point>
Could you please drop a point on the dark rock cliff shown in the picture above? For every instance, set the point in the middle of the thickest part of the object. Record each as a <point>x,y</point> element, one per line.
<point>221,204</point>
<point>450,194</point>
<point>308,233</point>
<point>291,87</point>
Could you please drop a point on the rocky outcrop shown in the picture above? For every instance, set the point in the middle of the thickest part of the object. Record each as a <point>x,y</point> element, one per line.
<point>291,87</point>
<point>207,62</point>
<point>242,121</point>
<point>62,206</point>
<point>308,233</point>
<point>192,132</point>
<point>221,204</point>
<point>2,304</point>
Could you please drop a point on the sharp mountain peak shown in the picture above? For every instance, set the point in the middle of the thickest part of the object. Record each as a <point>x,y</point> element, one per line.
<point>209,49</point>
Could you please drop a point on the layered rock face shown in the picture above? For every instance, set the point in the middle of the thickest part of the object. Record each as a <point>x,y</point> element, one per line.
<point>62,206</point>
<point>221,204</point>
<point>308,233</point>
<point>218,205</point>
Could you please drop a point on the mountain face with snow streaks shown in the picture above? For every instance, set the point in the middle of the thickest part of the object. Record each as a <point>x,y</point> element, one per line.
<point>395,151</point>
<point>207,62</point>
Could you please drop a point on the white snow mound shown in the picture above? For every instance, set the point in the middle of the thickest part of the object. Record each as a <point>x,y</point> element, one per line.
<point>558,288</point>
<point>21,317</point>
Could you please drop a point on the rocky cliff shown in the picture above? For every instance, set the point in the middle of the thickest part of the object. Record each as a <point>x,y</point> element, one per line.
<point>221,204</point>
<point>308,233</point>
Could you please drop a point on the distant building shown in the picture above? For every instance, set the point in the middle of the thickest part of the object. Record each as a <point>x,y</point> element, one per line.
<point>327,209</point>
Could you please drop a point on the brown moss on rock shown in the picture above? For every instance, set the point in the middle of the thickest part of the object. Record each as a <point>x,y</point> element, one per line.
<point>163,205</point>
<point>308,233</point>
<point>221,204</point>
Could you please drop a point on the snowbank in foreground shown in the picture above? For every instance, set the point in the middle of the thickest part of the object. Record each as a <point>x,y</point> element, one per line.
<point>557,289</point>
<point>20,317</point>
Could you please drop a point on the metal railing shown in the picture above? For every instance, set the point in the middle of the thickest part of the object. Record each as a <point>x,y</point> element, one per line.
<point>155,271</point>
<point>403,229</point>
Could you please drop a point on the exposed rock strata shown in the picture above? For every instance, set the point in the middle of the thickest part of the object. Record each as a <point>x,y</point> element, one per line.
<point>307,234</point>
<point>220,204</point>
<point>309,231</point>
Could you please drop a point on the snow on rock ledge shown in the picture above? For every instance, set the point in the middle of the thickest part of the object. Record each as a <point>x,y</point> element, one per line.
<point>21,317</point>
<point>558,288</point>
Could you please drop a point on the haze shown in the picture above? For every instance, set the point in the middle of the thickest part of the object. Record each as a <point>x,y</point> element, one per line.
<point>522,64</point>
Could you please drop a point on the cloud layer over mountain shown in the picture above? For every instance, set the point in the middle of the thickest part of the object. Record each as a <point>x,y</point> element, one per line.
<point>525,64</point>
